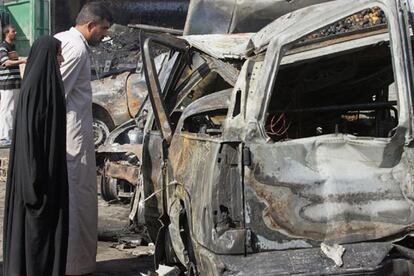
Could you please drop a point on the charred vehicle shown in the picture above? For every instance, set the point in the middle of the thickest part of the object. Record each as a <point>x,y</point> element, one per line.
<point>115,70</point>
<point>286,151</point>
<point>117,97</point>
<point>118,82</point>
<point>114,103</point>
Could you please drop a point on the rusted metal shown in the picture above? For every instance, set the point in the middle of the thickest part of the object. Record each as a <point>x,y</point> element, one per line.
<point>136,92</point>
<point>154,88</point>
<point>155,93</point>
<point>367,106</point>
<point>110,94</point>
<point>156,29</point>
<point>229,198</point>
<point>119,97</point>
<point>123,171</point>
<point>231,16</point>
<point>125,148</point>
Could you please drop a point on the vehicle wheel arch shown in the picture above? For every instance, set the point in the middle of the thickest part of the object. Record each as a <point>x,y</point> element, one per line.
<point>102,113</point>
<point>103,123</point>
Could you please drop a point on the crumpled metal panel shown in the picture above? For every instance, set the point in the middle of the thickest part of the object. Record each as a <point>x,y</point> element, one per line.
<point>232,16</point>
<point>368,258</point>
<point>218,206</point>
<point>243,44</point>
<point>109,93</point>
<point>123,171</point>
<point>188,157</point>
<point>136,90</point>
<point>301,20</point>
<point>221,46</point>
<point>332,188</point>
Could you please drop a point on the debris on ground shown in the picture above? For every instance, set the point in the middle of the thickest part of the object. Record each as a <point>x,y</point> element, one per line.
<point>164,270</point>
<point>144,250</point>
<point>334,252</point>
<point>134,245</point>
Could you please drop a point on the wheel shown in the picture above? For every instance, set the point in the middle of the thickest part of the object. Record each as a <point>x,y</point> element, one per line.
<point>100,132</point>
<point>109,189</point>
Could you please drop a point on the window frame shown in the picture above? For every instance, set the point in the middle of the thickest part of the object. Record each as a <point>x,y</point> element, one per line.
<point>400,49</point>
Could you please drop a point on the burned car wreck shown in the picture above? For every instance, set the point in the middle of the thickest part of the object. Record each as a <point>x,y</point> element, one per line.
<point>277,152</point>
<point>118,83</point>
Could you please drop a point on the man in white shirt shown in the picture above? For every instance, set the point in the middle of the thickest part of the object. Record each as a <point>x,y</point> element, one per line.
<point>92,24</point>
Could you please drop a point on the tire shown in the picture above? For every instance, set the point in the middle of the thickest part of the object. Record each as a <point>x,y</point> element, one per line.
<point>100,132</point>
<point>109,190</point>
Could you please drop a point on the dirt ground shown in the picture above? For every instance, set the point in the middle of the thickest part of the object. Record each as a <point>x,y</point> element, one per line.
<point>110,261</point>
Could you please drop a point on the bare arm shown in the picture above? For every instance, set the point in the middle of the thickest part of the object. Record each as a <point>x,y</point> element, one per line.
<point>9,59</point>
<point>10,63</point>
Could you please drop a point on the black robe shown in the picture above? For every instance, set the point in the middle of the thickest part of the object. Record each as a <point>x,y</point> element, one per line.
<point>35,229</point>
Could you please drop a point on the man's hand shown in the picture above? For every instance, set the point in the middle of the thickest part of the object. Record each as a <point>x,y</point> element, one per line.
<point>9,63</point>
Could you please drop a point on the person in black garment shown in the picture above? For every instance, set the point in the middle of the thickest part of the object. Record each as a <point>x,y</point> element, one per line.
<point>35,228</point>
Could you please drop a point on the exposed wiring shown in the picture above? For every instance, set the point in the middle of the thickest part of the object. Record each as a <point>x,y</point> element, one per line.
<point>173,183</point>
<point>282,129</point>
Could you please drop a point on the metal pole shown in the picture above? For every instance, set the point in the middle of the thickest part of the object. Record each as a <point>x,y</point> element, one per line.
<point>156,29</point>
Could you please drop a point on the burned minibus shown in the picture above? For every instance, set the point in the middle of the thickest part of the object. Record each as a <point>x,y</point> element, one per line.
<point>286,151</point>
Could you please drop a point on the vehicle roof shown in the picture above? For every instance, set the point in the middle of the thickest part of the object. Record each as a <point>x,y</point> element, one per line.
<point>240,46</point>
<point>221,46</point>
<point>231,16</point>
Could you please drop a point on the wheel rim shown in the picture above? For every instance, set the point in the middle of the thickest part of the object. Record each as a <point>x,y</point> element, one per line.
<point>100,132</point>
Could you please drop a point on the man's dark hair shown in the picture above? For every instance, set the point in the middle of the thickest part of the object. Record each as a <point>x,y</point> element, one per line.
<point>7,28</point>
<point>93,12</point>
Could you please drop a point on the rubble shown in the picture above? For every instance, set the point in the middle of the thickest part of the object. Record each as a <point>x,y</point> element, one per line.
<point>334,252</point>
<point>118,51</point>
<point>368,18</point>
<point>135,250</point>
<point>144,250</point>
<point>164,270</point>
